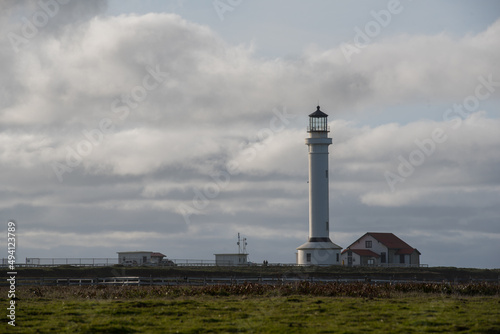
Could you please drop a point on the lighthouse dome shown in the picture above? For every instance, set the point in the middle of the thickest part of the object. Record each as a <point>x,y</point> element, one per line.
<point>318,113</point>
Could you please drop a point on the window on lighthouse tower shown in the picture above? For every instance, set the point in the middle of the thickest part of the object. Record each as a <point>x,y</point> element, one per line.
<point>318,124</point>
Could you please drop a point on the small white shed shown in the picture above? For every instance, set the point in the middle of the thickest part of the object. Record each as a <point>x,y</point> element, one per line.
<point>236,259</point>
<point>135,258</point>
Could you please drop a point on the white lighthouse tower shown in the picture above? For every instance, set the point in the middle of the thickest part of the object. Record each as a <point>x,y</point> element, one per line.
<point>319,249</point>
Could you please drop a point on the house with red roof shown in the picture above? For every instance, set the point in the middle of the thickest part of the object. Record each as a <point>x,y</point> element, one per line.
<point>380,249</point>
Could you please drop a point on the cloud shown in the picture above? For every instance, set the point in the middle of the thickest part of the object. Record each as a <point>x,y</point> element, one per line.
<point>466,161</point>
<point>87,68</point>
<point>141,115</point>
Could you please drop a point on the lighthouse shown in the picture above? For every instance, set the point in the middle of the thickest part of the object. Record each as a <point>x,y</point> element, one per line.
<point>319,249</point>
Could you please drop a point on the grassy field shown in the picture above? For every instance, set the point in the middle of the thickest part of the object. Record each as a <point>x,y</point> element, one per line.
<point>294,308</point>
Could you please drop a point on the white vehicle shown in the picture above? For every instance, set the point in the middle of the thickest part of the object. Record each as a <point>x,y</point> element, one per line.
<point>166,262</point>
<point>129,263</point>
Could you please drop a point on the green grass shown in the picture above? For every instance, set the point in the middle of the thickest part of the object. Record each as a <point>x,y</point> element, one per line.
<point>300,314</point>
<point>191,310</point>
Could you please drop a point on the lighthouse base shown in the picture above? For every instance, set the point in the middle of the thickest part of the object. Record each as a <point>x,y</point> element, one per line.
<point>319,253</point>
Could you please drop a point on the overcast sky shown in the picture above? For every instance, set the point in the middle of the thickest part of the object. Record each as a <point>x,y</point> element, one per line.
<point>171,126</point>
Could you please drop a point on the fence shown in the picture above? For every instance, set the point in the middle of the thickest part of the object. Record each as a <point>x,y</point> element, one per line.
<point>193,263</point>
<point>101,262</point>
<point>80,262</point>
<point>202,281</point>
<point>98,262</point>
<point>104,262</point>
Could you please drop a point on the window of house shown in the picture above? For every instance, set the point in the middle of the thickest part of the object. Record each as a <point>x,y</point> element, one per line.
<point>308,257</point>
<point>327,226</point>
<point>382,257</point>
<point>370,261</point>
<point>368,244</point>
<point>338,259</point>
<point>326,173</point>
<point>401,258</point>
<point>144,259</point>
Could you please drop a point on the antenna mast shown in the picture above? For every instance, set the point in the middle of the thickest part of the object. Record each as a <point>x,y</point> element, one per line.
<point>239,244</point>
<point>242,245</point>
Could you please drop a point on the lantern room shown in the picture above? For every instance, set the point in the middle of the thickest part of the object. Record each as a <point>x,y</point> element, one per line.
<point>318,122</point>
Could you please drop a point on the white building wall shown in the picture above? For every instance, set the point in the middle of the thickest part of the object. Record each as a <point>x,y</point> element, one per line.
<point>356,259</point>
<point>231,259</point>
<point>318,256</point>
<point>377,247</point>
<point>138,257</point>
<point>156,259</point>
<point>406,257</point>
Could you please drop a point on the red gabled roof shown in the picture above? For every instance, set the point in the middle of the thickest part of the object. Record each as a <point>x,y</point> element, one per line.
<point>407,251</point>
<point>362,252</point>
<point>390,240</point>
<point>157,255</point>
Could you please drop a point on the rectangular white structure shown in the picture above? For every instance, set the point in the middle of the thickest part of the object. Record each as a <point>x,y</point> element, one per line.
<point>135,258</point>
<point>231,259</point>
